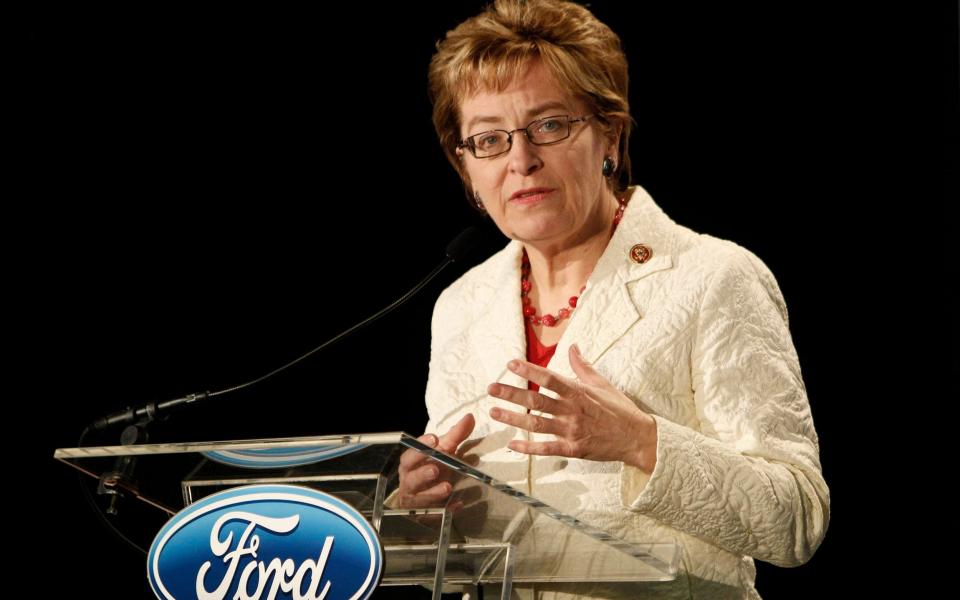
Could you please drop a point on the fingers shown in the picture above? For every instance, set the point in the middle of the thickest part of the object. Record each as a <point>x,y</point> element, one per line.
<point>531,423</point>
<point>581,367</point>
<point>448,442</point>
<point>459,432</point>
<point>543,377</point>
<point>432,497</point>
<point>421,479</point>
<point>530,399</point>
<point>558,448</point>
<point>415,476</point>
<point>410,459</point>
<point>419,485</point>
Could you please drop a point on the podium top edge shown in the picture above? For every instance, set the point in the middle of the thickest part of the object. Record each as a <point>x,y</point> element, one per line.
<point>393,437</point>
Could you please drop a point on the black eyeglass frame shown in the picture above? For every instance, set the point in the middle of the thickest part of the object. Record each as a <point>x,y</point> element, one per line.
<point>469,143</point>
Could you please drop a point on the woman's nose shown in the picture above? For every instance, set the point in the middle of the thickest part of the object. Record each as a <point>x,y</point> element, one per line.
<point>524,156</point>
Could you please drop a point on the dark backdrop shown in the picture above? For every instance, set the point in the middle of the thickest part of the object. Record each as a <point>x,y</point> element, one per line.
<point>210,194</point>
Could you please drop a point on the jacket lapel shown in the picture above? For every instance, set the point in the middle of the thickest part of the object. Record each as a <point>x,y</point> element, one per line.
<point>501,336</point>
<point>606,309</point>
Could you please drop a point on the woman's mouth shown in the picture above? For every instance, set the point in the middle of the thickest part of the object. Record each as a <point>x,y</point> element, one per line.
<point>531,197</point>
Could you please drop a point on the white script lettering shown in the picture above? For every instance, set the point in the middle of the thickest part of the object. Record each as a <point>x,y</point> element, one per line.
<point>286,576</point>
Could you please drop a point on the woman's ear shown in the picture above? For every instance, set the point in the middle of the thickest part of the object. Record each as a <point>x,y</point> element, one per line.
<point>613,138</point>
<point>461,167</point>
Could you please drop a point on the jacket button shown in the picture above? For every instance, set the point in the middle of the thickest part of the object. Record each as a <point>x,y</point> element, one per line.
<point>640,253</point>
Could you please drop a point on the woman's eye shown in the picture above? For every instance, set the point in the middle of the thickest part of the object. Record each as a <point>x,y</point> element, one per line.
<point>549,126</point>
<point>489,140</point>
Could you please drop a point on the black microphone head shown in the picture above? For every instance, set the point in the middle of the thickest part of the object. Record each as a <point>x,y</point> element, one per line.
<point>464,243</point>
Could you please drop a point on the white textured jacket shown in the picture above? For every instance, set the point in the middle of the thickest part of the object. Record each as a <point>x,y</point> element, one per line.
<point>698,337</point>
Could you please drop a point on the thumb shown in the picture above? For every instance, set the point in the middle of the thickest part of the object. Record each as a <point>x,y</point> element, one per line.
<point>581,367</point>
<point>456,434</point>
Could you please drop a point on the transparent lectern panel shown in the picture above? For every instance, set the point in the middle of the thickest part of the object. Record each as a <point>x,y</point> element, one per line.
<point>545,544</point>
<point>484,532</point>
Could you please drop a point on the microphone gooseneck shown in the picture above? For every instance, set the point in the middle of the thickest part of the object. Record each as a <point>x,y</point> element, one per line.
<point>456,250</point>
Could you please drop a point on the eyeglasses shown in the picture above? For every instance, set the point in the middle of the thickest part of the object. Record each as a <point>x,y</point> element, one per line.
<point>548,130</point>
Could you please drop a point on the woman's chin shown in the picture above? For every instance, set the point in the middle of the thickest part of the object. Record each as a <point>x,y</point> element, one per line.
<point>541,232</point>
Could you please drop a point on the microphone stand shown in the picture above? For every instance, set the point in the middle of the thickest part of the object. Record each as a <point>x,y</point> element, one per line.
<point>114,482</point>
<point>119,481</point>
<point>120,478</point>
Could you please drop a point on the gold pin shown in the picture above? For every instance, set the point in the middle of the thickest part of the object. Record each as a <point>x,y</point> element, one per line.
<point>640,253</point>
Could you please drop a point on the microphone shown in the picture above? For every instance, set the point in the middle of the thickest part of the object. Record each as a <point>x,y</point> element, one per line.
<point>456,250</point>
<point>148,412</point>
<point>465,241</point>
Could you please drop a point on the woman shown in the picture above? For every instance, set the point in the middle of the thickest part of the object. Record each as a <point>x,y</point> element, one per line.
<point>607,361</point>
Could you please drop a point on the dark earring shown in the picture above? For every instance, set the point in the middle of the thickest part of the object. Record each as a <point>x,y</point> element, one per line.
<point>608,166</point>
<point>476,198</point>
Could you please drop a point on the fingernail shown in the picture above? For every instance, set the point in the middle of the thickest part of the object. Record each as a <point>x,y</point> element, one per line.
<point>576,349</point>
<point>495,413</point>
<point>433,441</point>
<point>513,365</point>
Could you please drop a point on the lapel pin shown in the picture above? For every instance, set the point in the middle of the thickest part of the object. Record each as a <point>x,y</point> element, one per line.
<point>640,253</point>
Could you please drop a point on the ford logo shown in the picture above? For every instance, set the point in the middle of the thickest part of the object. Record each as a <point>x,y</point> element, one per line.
<point>266,542</point>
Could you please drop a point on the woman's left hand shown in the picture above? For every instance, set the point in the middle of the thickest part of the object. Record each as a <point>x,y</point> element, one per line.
<point>592,419</point>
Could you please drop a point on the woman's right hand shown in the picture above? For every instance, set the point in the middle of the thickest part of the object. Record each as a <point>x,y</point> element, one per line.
<point>424,483</point>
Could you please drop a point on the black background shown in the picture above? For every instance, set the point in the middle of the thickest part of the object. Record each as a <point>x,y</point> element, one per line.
<point>201,197</point>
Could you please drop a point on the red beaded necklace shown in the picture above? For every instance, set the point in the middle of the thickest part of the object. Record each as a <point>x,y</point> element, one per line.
<point>529,312</point>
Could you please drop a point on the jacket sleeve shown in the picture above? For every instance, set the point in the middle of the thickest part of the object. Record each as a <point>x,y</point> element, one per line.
<point>446,322</point>
<point>439,332</point>
<point>749,481</point>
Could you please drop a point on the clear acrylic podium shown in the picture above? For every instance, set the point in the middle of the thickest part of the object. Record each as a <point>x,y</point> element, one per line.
<point>486,532</point>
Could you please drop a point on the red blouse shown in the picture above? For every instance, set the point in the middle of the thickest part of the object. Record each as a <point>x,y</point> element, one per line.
<point>537,353</point>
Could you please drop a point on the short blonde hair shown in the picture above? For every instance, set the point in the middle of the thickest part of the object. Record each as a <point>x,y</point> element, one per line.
<point>488,51</point>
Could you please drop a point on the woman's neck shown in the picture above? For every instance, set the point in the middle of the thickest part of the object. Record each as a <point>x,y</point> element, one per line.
<point>567,268</point>
<point>559,269</point>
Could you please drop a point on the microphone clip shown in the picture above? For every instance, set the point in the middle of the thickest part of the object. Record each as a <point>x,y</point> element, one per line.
<point>119,480</point>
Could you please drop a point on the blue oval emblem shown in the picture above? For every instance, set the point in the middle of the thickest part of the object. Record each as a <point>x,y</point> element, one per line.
<point>266,541</point>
